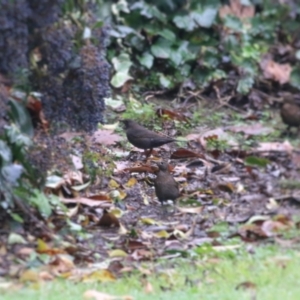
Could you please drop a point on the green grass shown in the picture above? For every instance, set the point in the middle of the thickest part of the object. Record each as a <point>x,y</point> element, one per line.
<point>275,272</point>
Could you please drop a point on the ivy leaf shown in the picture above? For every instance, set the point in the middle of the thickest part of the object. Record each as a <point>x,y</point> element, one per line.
<point>205,18</point>
<point>233,23</point>
<point>146,60</point>
<point>149,11</point>
<point>162,48</point>
<point>119,79</point>
<point>122,63</point>
<point>184,22</point>
<point>185,52</point>
<point>21,117</point>
<point>245,84</point>
<point>167,34</point>
<point>42,203</point>
<point>164,81</point>
<point>121,31</point>
<point>5,153</point>
<point>175,57</point>
<point>12,173</point>
<point>122,66</point>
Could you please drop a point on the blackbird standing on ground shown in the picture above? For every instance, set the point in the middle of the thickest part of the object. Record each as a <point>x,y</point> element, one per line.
<point>290,113</point>
<point>166,188</point>
<point>144,138</point>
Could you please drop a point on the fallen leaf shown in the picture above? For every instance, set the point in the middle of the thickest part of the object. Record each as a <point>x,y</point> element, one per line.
<point>101,275</point>
<point>277,72</point>
<point>29,275</point>
<point>173,115</point>
<point>113,184</point>
<point>73,176</point>
<point>77,162</point>
<point>216,134</point>
<point>276,147</point>
<point>105,137</point>
<point>131,182</point>
<point>117,253</point>
<point>237,9</point>
<point>61,264</point>
<point>162,234</point>
<point>190,210</point>
<point>100,197</point>
<point>148,221</point>
<point>185,153</point>
<point>227,187</point>
<point>142,169</point>
<point>42,247</point>
<point>253,129</point>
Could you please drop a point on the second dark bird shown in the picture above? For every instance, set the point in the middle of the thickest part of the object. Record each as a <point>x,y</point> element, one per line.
<point>290,113</point>
<point>166,188</point>
<point>143,138</point>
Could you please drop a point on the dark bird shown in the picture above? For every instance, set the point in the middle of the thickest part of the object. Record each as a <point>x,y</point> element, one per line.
<point>290,113</point>
<point>166,188</point>
<point>144,138</point>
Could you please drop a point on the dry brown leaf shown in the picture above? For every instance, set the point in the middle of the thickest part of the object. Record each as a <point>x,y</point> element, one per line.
<point>141,169</point>
<point>237,9</point>
<point>185,153</point>
<point>100,197</point>
<point>226,187</point>
<point>73,176</point>
<point>173,115</point>
<point>46,276</point>
<point>105,137</point>
<point>35,106</point>
<point>252,232</point>
<point>274,71</point>
<point>61,264</point>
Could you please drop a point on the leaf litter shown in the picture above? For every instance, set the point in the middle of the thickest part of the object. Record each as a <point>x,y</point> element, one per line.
<point>124,223</point>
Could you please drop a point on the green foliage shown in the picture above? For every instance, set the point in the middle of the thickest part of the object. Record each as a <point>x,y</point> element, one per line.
<point>137,111</point>
<point>13,145</point>
<point>217,144</point>
<point>17,176</point>
<point>256,161</point>
<point>176,40</point>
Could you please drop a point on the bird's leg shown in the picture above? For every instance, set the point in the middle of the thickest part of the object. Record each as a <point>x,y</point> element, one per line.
<point>168,209</point>
<point>148,153</point>
<point>164,211</point>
